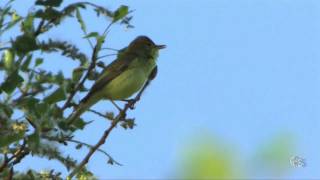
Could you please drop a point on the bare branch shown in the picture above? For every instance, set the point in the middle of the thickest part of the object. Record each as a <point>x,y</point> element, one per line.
<point>107,56</point>
<point>107,28</point>
<point>98,113</point>
<point>110,49</point>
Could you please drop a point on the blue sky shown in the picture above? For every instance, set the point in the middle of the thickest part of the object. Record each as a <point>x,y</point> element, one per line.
<point>242,70</point>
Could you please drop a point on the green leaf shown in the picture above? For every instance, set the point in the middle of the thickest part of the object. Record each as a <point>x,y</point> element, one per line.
<point>9,138</point>
<point>56,112</point>
<point>27,24</point>
<point>63,125</point>
<point>41,108</point>
<point>15,18</point>
<point>14,80</point>
<point>92,34</point>
<point>79,123</point>
<point>103,11</point>
<point>110,116</point>
<point>25,43</point>
<point>4,13</point>
<point>129,123</point>
<point>100,40</point>
<point>56,96</point>
<point>67,49</point>
<point>8,59</point>
<point>39,61</point>
<point>77,73</point>
<point>93,75</point>
<point>26,63</point>
<point>81,22</point>
<point>85,174</point>
<point>48,14</point>
<point>79,146</point>
<point>55,3</point>
<point>110,161</point>
<point>59,78</point>
<point>6,109</point>
<point>120,13</point>
<point>34,140</point>
<point>28,103</point>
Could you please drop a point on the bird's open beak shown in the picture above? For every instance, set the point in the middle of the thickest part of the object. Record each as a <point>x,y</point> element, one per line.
<point>161,46</point>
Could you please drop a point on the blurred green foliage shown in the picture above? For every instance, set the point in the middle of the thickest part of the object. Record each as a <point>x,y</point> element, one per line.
<point>210,157</point>
<point>273,157</point>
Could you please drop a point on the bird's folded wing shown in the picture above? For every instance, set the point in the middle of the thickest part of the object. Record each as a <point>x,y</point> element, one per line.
<point>109,73</point>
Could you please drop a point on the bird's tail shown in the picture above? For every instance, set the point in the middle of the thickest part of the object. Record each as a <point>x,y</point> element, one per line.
<point>84,105</point>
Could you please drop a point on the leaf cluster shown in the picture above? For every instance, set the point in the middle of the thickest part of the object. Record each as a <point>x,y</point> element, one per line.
<point>34,100</point>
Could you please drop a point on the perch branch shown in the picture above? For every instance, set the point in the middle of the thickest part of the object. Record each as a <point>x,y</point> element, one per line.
<point>121,116</point>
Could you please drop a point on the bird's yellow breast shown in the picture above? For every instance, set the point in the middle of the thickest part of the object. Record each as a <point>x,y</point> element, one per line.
<point>126,84</point>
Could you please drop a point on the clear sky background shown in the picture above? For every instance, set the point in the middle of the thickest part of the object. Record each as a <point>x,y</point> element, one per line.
<point>241,70</point>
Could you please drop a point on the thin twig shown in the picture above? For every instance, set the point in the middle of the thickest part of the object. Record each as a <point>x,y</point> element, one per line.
<point>110,49</point>
<point>105,32</point>
<point>88,39</point>
<point>39,28</point>
<point>15,156</point>
<point>31,93</point>
<point>96,147</point>
<point>91,45</point>
<point>97,113</point>
<point>106,56</point>
<point>31,123</point>
<point>100,150</point>
<point>5,6</point>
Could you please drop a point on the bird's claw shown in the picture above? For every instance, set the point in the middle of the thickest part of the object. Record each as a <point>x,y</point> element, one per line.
<point>131,103</point>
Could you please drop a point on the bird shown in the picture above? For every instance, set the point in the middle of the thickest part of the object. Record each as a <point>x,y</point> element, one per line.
<point>123,77</point>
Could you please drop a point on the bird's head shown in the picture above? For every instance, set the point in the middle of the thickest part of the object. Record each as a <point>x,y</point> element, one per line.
<point>145,46</point>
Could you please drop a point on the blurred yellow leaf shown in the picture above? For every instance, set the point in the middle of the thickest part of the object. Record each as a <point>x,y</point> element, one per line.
<point>207,158</point>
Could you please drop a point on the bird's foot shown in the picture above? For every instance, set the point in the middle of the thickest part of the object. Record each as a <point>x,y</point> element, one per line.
<point>130,102</point>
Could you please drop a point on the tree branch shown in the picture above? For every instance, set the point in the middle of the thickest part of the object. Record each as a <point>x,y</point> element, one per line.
<point>10,176</point>
<point>121,116</point>
<point>39,28</point>
<point>5,163</point>
<point>98,113</point>
<point>17,156</point>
